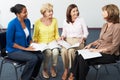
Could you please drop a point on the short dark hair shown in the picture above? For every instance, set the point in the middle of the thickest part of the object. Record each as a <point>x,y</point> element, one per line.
<point>68,16</point>
<point>113,13</point>
<point>17,8</point>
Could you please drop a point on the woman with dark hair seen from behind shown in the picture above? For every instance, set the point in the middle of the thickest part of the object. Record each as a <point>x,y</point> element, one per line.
<point>74,31</point>
<point>18,38</point>
<point>108,44</point>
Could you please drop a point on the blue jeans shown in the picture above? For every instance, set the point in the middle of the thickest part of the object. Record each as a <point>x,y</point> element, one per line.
<point>33,62</point>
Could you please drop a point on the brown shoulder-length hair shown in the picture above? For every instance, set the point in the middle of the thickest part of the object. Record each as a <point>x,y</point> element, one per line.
<point>113,13</point>
<point>68,16</point>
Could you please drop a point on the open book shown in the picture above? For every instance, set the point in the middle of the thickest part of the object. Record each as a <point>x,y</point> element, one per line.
<point>44,46</point>
<point>67,45</point>
<point>88,54</point>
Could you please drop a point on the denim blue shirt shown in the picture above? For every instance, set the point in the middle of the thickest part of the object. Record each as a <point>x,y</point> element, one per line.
<point>16,34</point>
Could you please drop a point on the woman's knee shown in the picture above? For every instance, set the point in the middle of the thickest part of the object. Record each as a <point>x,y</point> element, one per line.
<point>40,57</point>
<point>55,51</point>
<point>47,52</point>
<point>63,51</point>
<point>71,51</point>
<point>34,59</point>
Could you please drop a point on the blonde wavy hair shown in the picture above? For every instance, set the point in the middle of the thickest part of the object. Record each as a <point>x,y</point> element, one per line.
<point>46,7</point>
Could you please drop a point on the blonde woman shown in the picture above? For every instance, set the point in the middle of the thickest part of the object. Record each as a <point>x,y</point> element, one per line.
<point>46,31</point>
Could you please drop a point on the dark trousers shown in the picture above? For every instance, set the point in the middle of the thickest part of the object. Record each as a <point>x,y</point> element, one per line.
<point>33,62</point>
<point>80,66</point>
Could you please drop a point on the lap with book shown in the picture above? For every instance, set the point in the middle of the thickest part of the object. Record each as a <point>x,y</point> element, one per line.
<point>88,54</point>
<point>67,45</point>
<point>44,46</point>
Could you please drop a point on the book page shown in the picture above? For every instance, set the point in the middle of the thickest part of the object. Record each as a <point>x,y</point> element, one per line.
<point>64,44</point>
<point>88,54</point>
<point>53,45</point>
<point>41,46</point>
<point>67,45</point>
<point>75,45</point>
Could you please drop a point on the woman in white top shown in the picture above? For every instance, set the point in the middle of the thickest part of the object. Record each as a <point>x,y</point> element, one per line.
<point>74,31</point>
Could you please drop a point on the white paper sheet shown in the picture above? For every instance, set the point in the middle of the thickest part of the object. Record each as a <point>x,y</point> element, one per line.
<point>67,45</point>
<point>88,54</point>
<point>43,46</point>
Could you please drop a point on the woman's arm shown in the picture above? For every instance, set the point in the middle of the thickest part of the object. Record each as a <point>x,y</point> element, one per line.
<point>23,48</point>
<point>84,28</point>
<point>115,39</point>
<point>35,32</point>
<point>56,30</point>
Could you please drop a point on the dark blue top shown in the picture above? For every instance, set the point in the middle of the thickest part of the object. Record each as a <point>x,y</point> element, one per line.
<point>16,34</point>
